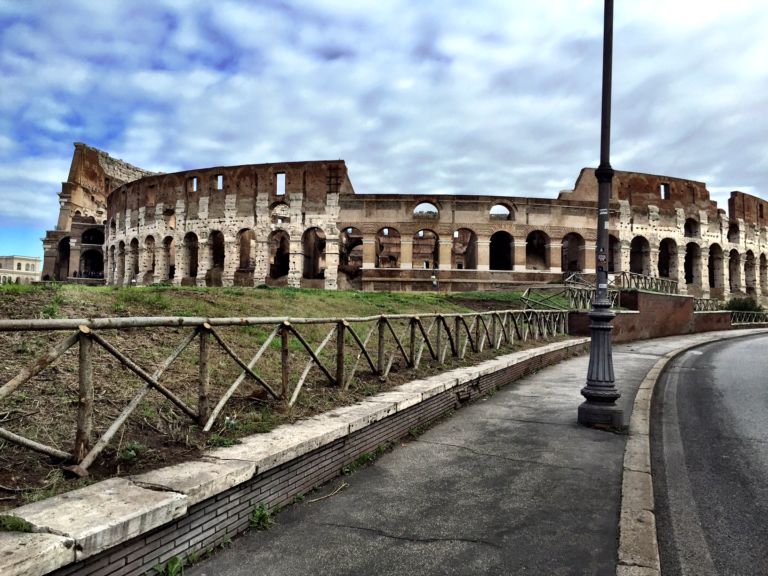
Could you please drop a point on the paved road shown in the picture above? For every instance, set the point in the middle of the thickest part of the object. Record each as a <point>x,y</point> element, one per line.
<point>709,443</point>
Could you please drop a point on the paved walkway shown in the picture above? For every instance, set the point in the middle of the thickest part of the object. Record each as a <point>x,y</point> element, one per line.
<point>509,485</point>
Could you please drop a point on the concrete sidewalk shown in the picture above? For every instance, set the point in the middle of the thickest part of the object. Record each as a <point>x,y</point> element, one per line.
<point>509,485</point>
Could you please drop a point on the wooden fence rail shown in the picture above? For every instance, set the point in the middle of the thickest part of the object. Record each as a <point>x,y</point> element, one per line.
<point>373,344</point>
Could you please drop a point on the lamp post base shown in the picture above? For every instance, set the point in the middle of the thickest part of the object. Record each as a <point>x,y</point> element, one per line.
<point>600,415</point>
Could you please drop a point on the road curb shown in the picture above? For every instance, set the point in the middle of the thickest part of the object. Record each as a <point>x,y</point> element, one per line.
<point>638,553</point>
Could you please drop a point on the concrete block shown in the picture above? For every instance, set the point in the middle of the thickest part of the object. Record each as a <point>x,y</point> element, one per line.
<point>637,454</point>
<point>33,554</point>
<point>200,479</point>
<point>103,514</point>
<point>637,491</point>
<point>641,421</point>
<point>426,388</point>
<point>637,539</point>
<point>401,398</point>
<point>623,570</point>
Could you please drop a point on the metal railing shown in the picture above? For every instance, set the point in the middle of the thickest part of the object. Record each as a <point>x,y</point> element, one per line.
<point>373,344</point>
<point>625,280</point>
<point>749,318</point>
<point>573,296</point>
<point>707,305</point>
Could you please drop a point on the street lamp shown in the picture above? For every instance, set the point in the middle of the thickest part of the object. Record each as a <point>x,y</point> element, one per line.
<point>599,408</point>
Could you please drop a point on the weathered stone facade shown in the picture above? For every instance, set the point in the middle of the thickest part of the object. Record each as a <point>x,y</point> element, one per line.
<point>75,248</point>
<point>302,224</point>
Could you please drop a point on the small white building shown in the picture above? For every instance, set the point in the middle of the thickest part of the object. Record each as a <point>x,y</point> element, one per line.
<point>19,269</point>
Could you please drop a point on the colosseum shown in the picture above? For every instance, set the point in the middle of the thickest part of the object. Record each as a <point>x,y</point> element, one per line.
<point>302,224</point>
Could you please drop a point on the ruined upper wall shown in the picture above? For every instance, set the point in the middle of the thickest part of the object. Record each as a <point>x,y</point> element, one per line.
<point>99,173</point>
<point>751,209</point>
<point>641,190</point>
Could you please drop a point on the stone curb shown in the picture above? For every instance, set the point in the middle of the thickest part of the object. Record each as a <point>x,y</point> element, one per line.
<point>638,553</point>
<point>78,524</point>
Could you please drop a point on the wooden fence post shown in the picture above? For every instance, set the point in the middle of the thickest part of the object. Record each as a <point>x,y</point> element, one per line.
<point>285,332</point>
<point>457,335</point>
<point>340,332</point>
<point>380,357</point>
<point>412,347</point>
<point>85,396</point>
<point>204,383</point>
<point>439,339</point>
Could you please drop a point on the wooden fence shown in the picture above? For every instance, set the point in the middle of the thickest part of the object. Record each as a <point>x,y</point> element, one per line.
<point>372,344</point>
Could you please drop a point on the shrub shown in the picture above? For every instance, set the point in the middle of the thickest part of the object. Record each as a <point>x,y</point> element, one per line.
<point>746,304</point>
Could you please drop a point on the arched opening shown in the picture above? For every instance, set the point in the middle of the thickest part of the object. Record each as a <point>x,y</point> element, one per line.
<point>112,229</point>
<point>426,210</point>
<point>614,254</point>
<point>734,271</point>
<point>572,253</point>
<point>62,260</point>
<point>133,260</point>
<point>216,257</point>
<point>763,274</point>
<point>536,257</point>
<point>351,252</point>
<point>426,245</point>
<point>313,247</point>
<point>148,260</point>
<point>502,251</point>
<point>692,267</point>
<point>715,265</point>
<point>169,258</point>
<point>501,212</point>
<point>191,248</point>
<point>246,242</point>
<point>640,256</point>
<point>279,254</point>
<point>691,228</point>
<point>120,273</point>
<point>750,270</point>
<point>668,259</point>
<point>387,248</point>
<point>91,264</point>
<point>733,232</point>
<point>93,236</point>
<point>464,249</point>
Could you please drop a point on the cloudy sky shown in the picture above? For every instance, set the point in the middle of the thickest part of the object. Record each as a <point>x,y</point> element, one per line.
<point>490,96</point>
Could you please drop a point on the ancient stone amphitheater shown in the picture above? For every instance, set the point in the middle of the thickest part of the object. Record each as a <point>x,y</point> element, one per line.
<point>302,224</point>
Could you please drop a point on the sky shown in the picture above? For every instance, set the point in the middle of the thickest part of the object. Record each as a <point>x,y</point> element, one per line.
<point>430,97</point>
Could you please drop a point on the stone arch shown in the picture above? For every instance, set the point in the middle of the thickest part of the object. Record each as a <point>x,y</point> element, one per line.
<point>668,263</point>
<point>387,248</point>
<point>572,252</point>
<point>279,254</point>
<point>692,266</point>
<point>246,265</point>
<point>501,211</point>
<point>734,271</point>
<point>750,270</point>
<point>62,259</point>
<point>763,274</point>
<point>92,263</point>
<point>133,259</point>
<point>169,258</point>
<point>351,252</point>
<point>614,254</point>
<point>149,260</point>
<point>112,228</point>
<point>190,262</point>
<point>93,236</point>
<point>691,228</point>
<point>280,213</point>
<point>120,266</point>
<point>640,256</point>
<point>715,265</point>
<point>426,210</point>
<point>536,251</point>
<point>426,249</point>
<point>313,248</point>
<point>216,258</point>
<point>464,249</point>
<point>502,251</point>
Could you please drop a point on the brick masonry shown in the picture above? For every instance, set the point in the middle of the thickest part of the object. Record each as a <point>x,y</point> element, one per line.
<point>222,517</point>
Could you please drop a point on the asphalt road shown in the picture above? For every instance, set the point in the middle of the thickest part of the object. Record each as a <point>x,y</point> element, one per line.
<point>709,448</point>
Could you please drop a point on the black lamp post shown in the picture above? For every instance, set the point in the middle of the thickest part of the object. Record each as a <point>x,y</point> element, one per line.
<point>599,408</point>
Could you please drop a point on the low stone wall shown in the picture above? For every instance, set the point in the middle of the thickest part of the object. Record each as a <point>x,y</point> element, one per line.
<point>128,526</point>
